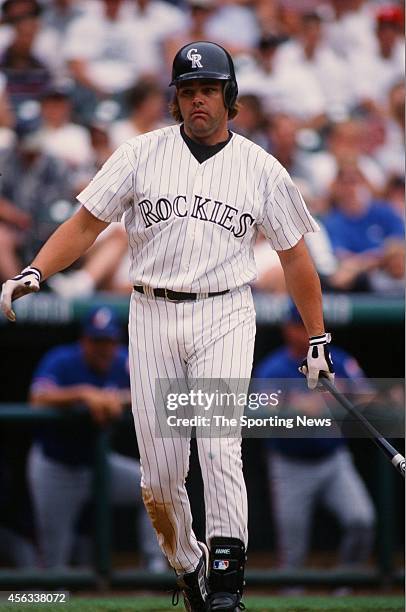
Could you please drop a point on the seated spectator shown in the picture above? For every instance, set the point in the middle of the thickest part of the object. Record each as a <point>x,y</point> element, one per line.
<point>307,472</point>
<point>283,133</point>
<point>359,226</point>
<point>35,197</point>
<point>345,142</point>
<point>111,63</point>
<point>157,21</point>
<point>352,27</point>
<point>235,24</point>
<point>389,277</point>
<point>280,89</point>
<point>375,73</point>
<point>105,267</point>
<point>311,51</point>
<point>46,45</point>
<point>199,13</point>
<point>391,155</point>
<point>394,194</point>
<point>27,74</point>
<point>60,137</point>
<point>92,374</point>
<point>145,104</point>
<point>7,117</point>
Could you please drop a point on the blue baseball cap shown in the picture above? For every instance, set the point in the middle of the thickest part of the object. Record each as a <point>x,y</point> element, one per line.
<point>101,322</point>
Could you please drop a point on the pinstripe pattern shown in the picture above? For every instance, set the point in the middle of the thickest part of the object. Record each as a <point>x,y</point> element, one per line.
<point>192,227</point>
<point>150,176</point>
<point>192,340</point>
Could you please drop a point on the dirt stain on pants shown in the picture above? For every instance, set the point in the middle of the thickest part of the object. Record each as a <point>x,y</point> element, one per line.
<point>163,520</point>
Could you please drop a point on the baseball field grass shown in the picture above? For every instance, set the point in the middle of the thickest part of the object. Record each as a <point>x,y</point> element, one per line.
<point>378,603</point>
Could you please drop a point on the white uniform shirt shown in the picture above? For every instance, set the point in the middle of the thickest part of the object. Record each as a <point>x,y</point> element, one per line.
<point>191,225</point>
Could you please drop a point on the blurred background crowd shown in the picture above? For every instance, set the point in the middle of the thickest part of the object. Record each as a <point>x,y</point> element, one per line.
<point>321,88</point>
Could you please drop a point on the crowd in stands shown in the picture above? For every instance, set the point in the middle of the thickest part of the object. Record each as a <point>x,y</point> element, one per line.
<point>321,87</point>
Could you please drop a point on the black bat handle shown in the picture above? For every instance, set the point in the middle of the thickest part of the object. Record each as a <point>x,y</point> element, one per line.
<point>398,461</point>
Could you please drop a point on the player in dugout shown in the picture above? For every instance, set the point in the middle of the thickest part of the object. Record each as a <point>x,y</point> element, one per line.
<point>93,374</point>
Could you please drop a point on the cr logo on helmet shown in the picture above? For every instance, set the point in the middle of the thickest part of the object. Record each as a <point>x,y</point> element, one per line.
<point>195,58</point>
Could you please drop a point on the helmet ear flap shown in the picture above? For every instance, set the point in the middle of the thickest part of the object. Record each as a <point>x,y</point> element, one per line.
<point>230,92</point>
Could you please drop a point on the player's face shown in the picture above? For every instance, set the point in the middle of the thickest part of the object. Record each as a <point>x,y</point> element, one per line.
<point>99,353</point>
<point>203,110</point>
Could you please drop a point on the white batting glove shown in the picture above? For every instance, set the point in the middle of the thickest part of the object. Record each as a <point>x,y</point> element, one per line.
<point>318,361</point>
<point>26,282</point>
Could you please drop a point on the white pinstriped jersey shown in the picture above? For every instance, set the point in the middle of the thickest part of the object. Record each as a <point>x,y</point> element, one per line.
<point>191,225</point>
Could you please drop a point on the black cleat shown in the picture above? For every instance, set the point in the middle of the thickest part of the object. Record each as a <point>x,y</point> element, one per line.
<point>224,602</point>
<point>194,585</point>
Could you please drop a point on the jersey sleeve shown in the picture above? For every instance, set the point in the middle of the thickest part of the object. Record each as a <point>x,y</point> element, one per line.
<point>285,216</point>
<point>49,372</point>
<point>110,192</point>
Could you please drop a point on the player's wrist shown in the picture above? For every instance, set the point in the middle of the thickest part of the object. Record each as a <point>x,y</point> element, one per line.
<point>35,271</point>
<point>320,339</point>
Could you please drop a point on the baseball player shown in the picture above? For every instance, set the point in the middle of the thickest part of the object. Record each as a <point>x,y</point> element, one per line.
<point>194,197</point>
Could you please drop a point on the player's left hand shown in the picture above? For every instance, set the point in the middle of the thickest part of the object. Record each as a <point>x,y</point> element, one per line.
<point>318,361</point>
<point>26,282</point>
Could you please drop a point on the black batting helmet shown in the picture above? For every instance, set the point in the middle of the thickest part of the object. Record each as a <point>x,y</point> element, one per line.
<point>206,60</point>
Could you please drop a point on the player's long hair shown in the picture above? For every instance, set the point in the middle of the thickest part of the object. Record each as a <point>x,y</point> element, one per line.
<point>177,115</point>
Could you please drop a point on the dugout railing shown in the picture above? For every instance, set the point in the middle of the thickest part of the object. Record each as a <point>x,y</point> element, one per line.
<point>103,575</point>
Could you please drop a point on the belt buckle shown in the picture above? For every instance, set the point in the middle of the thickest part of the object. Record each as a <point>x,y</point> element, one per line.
<point>167,297</point>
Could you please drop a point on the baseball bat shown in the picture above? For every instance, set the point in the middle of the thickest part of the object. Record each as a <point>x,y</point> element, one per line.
<point>396,458</point>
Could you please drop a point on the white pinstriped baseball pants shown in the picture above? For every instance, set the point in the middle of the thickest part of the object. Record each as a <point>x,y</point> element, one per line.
<point>211,338</point>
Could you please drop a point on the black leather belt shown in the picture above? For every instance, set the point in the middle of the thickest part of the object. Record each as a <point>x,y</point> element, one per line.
<point>178,296</point>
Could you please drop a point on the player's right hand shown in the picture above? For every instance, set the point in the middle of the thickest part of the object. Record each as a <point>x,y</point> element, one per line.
<point>27,281</point>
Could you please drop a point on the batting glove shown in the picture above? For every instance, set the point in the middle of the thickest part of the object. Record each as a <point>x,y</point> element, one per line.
<point>318,361</point>
<point>26,282</point>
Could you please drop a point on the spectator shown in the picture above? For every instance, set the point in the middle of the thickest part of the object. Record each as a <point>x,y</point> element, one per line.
<point>306,472</point>
<point>394,194</point>
<point>311,51</point>
<point>7,118</point>
<point>352,28</point>
<point>145,104</point>
<point>375,73</point>
<point>359,226</point>
<point>105,267</point>
<point>59,14</point>
<point>197,28</point>
<point>111,63</point>
<point>93,374</point>
<point>46,43</point>
<point>283,133</point>
<point>60,137</point>
<point>27,75</point>
<point>345,142</point>
<point>391,155</point>
<point>389,277</point>
<point>156,21</point>
<point>35,196</point>
<point>280,89</point>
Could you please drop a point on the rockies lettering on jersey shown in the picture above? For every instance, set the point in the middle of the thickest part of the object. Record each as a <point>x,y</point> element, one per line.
<point>204,209</point>
<point>192,225</point>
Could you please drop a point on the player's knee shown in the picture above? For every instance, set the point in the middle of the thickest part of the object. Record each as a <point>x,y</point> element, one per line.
<point>362,518</point>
